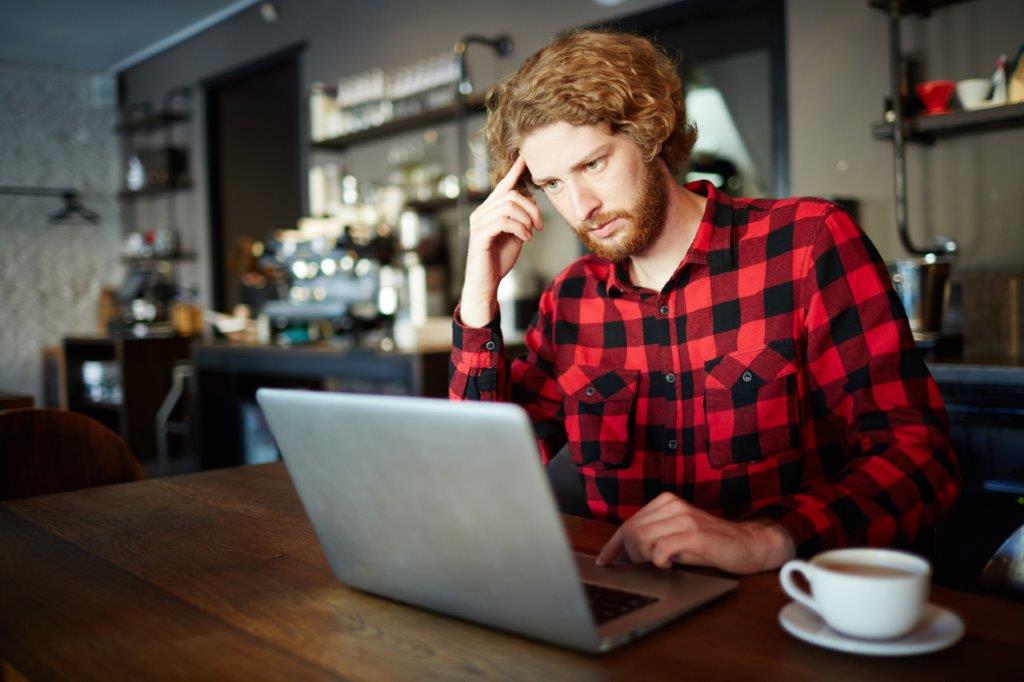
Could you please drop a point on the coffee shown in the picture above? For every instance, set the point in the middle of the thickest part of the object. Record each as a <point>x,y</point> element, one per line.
<point>866,570</point>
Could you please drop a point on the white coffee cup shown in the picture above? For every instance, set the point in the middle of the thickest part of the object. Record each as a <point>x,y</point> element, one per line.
<point>866,593</point>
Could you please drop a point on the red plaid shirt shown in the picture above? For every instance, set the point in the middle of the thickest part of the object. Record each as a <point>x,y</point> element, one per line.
<point>774,375</point>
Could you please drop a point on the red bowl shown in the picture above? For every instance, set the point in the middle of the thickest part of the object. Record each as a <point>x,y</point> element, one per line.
<point>935,95</point>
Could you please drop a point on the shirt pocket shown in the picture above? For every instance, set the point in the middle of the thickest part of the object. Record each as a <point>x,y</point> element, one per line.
<point>599,415</point>
<point>750,405</point>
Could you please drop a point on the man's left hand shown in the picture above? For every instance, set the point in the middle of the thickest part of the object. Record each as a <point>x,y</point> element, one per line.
<point>670,530</point>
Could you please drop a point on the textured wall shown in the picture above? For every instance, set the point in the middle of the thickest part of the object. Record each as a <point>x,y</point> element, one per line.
<point>52,134</point>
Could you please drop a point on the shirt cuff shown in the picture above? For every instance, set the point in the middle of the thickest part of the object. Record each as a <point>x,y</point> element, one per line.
<point>476,346</point>
<point>807,522</point>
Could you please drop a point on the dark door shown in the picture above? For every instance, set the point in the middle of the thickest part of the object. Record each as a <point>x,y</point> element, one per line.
<point>254,158</point>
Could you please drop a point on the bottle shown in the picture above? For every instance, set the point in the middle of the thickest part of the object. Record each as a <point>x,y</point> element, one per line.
<point>999,81</point>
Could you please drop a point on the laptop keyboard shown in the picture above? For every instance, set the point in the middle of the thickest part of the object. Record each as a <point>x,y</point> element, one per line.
<point>607,603</point>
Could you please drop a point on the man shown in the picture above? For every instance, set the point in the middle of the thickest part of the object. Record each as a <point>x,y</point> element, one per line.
<point>734,378</point>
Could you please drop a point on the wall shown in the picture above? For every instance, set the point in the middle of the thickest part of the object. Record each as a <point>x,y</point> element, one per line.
<point>969,187</point>
<point>52,134</point>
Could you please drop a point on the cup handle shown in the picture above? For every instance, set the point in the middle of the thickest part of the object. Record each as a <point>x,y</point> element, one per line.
<point>788,584</point>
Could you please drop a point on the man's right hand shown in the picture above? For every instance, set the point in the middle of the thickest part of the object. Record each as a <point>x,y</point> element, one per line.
<point>498,228</point>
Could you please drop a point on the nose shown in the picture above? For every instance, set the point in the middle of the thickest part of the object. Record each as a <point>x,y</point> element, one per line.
<point>585,201</point>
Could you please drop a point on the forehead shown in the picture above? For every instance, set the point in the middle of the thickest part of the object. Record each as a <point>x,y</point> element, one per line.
<point>554,149</point>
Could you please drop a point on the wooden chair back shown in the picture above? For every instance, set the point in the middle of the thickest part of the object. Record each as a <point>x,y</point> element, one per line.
<point>45,451</point>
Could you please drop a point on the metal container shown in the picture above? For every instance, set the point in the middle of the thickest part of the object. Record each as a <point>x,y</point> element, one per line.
<point>923,286</point>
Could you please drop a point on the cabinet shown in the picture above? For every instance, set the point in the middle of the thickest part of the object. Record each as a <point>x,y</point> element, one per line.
<point>141,368</point>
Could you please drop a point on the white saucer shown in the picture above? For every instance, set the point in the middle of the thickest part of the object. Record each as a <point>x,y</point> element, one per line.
<point>938,629</point>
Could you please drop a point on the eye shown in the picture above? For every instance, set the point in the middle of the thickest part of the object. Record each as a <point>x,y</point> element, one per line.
<point>552,185</point>
<point>594,165</point>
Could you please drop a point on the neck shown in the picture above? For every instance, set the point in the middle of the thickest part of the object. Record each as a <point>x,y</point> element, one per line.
<point>652,267</point>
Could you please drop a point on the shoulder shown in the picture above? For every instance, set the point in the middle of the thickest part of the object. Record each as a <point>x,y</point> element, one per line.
<point>585,277</point>
<point>800,225</point>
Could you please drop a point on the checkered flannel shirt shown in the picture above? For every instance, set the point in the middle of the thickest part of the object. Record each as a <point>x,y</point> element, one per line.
<point>774,376</point>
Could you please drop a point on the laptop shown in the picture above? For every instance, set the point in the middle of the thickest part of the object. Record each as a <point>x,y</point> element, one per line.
<point>445,505</point>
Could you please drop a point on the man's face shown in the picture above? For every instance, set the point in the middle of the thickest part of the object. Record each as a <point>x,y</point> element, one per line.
<point>601,184</point>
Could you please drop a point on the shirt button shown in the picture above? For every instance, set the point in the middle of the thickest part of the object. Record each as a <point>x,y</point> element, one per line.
<point>672,445</point>
<point>489,345</point>
<point>663,310</point>
<point>747,376</point>
<point>670,378</point>
<point>590,390</point>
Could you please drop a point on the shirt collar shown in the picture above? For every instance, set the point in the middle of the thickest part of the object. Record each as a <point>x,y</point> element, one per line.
<point>712,245</point>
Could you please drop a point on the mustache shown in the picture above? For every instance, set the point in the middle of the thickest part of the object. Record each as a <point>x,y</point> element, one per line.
<point>602,218</point>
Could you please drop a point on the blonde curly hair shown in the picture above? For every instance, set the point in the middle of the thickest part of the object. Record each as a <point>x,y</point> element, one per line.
<point>591,77</point>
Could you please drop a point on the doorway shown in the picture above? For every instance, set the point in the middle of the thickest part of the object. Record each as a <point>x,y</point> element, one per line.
<point>254,161</point>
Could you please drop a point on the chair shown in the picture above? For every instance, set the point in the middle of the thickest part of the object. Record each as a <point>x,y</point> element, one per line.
<point>1004,573</point>
<point>45,451</point>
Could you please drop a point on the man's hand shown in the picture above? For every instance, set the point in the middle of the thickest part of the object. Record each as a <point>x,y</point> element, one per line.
<point>498,228</point>
<point>668,530</point>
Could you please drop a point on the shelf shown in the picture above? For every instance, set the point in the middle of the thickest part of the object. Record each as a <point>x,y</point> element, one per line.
<point>928,128</point>
<point>183,256</point>
<point>153,191</point>
<point>474,105</point>
<point>921,8</point>
<point>101,405</point>
<point>151,122</point>
<point>441,203</point>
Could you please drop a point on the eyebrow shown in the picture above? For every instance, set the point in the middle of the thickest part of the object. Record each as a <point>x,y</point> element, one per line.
<point>596,153</point>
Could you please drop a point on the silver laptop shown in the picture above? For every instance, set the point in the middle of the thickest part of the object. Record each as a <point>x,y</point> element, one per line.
<point>445,505</point>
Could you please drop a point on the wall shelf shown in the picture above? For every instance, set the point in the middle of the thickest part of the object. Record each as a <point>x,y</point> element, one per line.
<point>153,191</point>
<point>927,129</point>
<point>442,203</point>
<point>183,256</point>
<point>921,8</point>
<point>150,122</point>
<point>474,105</point>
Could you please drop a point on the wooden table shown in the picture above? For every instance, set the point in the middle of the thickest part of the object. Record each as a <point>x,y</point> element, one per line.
<point>218,576</point>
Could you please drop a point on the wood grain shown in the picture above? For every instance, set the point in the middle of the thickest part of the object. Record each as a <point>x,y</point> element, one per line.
<point>219,574</point>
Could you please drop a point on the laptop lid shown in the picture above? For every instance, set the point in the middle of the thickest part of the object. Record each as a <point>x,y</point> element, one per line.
<point>441,504</point>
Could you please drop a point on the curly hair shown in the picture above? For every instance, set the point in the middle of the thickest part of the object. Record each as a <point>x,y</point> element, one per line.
<point>591,77</point>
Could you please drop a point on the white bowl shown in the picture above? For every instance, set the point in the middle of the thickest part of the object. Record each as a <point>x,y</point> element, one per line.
<point>972,92</point>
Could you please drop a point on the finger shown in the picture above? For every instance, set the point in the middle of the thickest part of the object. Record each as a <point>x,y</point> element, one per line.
<point>645,537</point>
<point>673,547</point>
<point>662,501</point>
<point>509,211</point>
<point>611,550</point>
<point>512,177</point>
<point>514,228</point>
<point>527,205</point>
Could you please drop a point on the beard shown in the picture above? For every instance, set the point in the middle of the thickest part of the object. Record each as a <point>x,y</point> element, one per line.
<point>645,220</point>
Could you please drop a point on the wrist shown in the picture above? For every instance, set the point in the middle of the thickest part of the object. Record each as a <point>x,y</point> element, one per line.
<point>477,313</point>
<point>776,544</point>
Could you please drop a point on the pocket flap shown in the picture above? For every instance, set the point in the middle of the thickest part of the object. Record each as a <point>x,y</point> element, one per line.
<point>751,369</point>
<point>598,384</point>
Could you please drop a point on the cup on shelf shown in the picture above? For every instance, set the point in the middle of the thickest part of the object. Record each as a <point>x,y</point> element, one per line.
<point>973,92</point>
<point>935,95</point>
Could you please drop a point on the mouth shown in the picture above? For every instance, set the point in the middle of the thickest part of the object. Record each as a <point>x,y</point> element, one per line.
<point>605,229</point>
